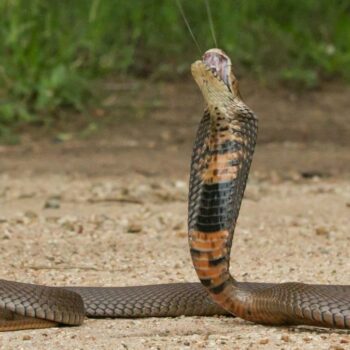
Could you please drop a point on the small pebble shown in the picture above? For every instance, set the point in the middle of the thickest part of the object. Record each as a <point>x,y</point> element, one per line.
<point>285,338</point>
<point>134,228</point>
<point>6,235</point>
<point>181,234</point>
<point>52,203</point>
<point>30,214</point>
<point>321,231</point>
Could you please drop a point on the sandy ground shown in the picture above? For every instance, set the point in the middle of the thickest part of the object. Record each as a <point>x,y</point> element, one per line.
<point>111,211</point>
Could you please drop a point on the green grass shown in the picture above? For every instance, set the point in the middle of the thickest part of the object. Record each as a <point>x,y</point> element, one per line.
<point>51,52</point>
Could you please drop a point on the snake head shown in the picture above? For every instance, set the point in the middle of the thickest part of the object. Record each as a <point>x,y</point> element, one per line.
<point>215,78</point>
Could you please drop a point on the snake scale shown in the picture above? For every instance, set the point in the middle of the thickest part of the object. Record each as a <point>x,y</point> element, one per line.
<point>221,159</point>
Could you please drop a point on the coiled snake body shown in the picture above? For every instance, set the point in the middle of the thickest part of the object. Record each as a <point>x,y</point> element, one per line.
<point>220,165</point>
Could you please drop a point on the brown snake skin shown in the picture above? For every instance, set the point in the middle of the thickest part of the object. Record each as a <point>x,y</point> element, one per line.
<point>220,165</point>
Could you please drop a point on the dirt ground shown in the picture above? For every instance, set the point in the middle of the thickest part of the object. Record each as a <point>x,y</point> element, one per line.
<point>111,211</point>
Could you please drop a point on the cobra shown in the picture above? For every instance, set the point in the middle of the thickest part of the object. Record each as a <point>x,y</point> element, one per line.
<point>220,164</point>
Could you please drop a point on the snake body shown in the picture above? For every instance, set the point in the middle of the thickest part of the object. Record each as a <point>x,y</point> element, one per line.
<point>221,159</point>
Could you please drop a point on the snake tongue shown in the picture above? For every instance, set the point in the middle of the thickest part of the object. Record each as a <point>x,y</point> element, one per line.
<point>219,63</point>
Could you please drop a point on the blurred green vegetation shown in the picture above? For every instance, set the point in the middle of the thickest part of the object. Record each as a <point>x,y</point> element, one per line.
<point>51,52</point>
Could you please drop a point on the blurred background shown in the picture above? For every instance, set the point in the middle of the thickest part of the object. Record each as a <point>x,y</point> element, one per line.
<point>94,71</point>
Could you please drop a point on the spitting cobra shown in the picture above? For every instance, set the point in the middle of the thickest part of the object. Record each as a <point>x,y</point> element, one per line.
<point>221,159</point>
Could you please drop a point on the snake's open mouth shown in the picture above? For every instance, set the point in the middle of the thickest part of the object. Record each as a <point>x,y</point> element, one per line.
<point>219,63</point>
